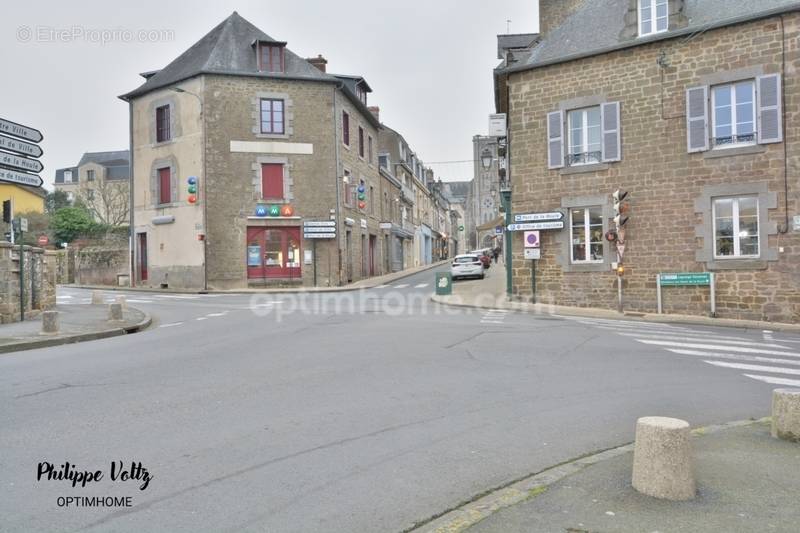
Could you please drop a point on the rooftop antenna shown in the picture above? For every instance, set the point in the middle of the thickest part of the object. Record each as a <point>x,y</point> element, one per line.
<point>508,26</point>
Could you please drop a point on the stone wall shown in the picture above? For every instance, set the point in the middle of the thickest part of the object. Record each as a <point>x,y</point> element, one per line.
<point>101,265</point>
<point>666,232</point>
<point>39,282</point>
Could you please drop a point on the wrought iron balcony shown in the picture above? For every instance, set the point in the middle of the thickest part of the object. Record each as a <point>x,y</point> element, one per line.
<point>734,139</point>
<point>584,158</point>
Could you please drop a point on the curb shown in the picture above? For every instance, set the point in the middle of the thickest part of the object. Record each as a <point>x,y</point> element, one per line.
<point>481,506</point>
<point>80,337</point>
<point>345,288</point>
<point>590,312</point>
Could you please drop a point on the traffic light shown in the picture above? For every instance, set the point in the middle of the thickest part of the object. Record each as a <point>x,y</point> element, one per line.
<point>620,208</point>
<point>192,189</point>
<point>7,211</point>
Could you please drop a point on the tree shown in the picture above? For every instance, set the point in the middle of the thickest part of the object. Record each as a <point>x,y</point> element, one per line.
<point>107,200</point>
<point>56,200</point>
<point>70,222</point>
<point>38,224</point>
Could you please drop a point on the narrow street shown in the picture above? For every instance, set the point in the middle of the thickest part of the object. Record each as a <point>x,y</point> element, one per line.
<point>264,414</point>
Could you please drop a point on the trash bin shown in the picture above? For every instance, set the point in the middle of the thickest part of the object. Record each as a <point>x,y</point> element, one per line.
<point>444,283</point>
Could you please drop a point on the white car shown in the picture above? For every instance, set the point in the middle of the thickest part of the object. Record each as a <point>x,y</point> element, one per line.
<point>467,265</point>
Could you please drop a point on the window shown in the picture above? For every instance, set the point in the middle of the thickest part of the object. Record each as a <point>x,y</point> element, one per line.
<point>734,114</point>
<point>164,186</point>
<point>653,16</point>
<point>586,225</point>
<point>272,116</point>
<point>345,128</point>
<point>360,142</point>
<point>163,133</point>
<point>584,136</point>
<point>369,151</point>
<point>67,176</point>
<point>272,181</point>
<point>90,194</point>
<point>372,199</point>
<point>271,58</point>
<point>361,94</point>
<point>383,161</point>
<point>736,227</point>
<point>90,175</point>
<point>347,189</point>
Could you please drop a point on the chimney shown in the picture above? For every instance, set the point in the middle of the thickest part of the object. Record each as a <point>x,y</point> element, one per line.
<point>376,112</point>
<point>319,62</point>
<point>552,13</point>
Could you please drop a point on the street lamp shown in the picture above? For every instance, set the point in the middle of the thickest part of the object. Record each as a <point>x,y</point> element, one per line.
<point>486,159</point>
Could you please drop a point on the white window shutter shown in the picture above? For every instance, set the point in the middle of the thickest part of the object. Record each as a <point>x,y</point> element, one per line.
<point>610,125</point>
<point>770,115</point>
<point>555,139</point>
<point>697,119</point>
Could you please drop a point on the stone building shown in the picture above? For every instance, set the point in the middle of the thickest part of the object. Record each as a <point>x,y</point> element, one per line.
<point>690,106</point>
<point>101,181</point>
<point>243,151</point>
<point>484,196</point>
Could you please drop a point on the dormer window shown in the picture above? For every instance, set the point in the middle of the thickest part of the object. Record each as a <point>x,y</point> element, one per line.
<point>653,16</point>
<point>271,57</point>
<point>361,94</point>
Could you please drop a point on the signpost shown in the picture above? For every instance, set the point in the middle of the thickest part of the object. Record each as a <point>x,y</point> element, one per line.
<point>687,279</point>
<point>18,130</point>
<point>20,178</point>
<point>539,217</point>
<point>525,226</point>
<point>533,251</point>
<point>318,229</point>
<point>20,147</point>
<point>21,163</point>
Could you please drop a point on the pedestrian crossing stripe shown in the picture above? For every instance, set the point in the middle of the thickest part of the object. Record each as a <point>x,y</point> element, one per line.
<point>775,381</point>
<point>757,368</point>
<point>738,357</point>
<point>421,286</point>
<point>692,338</point>
<point>702,346</point>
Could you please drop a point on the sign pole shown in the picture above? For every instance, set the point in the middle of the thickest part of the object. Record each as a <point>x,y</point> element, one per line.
<point>619,287</point>
<point>713,296</point>
<point>533,280</point>
<point>21,277</point>
<point>658,292</point>
<point>314,251</point>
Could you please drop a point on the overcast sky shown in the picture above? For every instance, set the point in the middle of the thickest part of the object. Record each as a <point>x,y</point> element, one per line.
<point>429,63</point>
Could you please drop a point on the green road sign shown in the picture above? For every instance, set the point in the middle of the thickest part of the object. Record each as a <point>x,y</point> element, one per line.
<point>686,278</point>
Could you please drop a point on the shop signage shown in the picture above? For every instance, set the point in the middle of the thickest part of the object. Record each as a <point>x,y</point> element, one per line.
<point>536,225</point>
<point>274,210</point>
<point>254,256</point>
<point>386,225</point>
<point>539,217</point>
<point>364,223</point>
<point>497,125</point>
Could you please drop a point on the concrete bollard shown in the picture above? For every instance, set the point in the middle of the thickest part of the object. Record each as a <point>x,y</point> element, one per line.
<point>97,298</point>
<point>662,462</point>
<point>49,322</point>
<point>121,300</point>
<point>115,312</point>
<point>786,414</point>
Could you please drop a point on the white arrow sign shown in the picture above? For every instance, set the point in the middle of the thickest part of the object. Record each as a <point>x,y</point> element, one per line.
<point>536,225</point>
<point>318,229</point>
<point>320,223</point>
<point>539,217</point>
<point>319,235</point>
<point>22,163</point>
<point>20,147</point>
<point>13,176</point>
<point>18,130</point>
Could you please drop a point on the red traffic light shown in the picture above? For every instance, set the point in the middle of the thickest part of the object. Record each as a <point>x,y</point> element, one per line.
<point>192,199</point>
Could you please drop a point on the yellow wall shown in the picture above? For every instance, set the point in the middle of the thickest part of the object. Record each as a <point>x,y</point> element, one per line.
<point>24,201</point>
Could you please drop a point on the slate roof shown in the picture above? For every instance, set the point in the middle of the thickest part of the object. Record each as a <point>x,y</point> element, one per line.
<point>60,174</point>
<point>514,41</point>
<point>228,49</point>
<point>596,26</point>
<point>116,162</point>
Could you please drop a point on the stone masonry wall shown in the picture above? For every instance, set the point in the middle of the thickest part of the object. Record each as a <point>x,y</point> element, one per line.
<point>664,181</point>
<point>39,279</point>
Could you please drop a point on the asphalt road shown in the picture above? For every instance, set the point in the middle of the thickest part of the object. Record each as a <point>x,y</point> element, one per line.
<point>372,412</point>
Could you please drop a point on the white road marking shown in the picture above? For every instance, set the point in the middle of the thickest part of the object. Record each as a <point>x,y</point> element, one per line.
<point>738,357</point>
<point>172,325</point>
<point>216,314</point>
<point>775,381</point>
<point>757,368</point>
<point>381,286</point>
<point>718,347</point>
<point>403,286</point>
<point>201,318</point>
<point>421,286</point>
<point>133,301</point>
<point>692,338</point>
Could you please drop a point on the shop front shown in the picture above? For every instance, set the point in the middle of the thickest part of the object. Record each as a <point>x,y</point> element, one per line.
<point>273,253</point>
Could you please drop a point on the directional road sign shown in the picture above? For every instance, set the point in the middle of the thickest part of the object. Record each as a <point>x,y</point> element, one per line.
<point>12,176</point>
<point>319,235</point>
<point>21,163</point>
<point>18,130</point>
<point>557,224</point>
<point>539,217</point>
<point>20,147</point>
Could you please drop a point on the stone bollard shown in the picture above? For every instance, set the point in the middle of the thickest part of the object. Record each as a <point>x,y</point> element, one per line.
<point>121,300</point>
<point>786,414</point>
<point>97,298</point>
<point>662,463</point>
<point>49,322</point>
<point>115,312</point>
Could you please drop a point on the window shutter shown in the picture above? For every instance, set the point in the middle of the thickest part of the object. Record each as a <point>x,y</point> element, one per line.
<point>770,127</point>
<point>610,120</point>
<point>697,119</point>
<point>555,139</point>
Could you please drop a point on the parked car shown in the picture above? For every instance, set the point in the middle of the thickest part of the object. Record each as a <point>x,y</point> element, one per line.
<point>467,266</point>
<point>484,256</point>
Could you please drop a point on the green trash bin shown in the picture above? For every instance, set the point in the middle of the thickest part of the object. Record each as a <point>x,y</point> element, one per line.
<point>444,283</point>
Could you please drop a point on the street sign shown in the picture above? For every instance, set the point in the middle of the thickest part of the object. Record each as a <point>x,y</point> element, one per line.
<point>319,223</point>
<point>498,230</point>
<point>385,225</point>
<point>319,235</point>
<point>497,125</point>
<point>20,178</point>
<point>21,163</point>
<point>531,239</point>
<point>533,253</point>
<point>318,229</point>
<point>20,147</point>
<point>686,278</point>
<point>23,224</point>
<point>539,217</point>
<point>18,130</point>
<point>42,240</point>
<point>536,225</point>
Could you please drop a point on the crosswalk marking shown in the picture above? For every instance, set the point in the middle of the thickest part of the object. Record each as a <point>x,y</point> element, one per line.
<point>421,286</point>
<point>494,316</point>
<point>381,286</point>
<point>172,325</point>
<point>403,286</point>
<point>757,357</point>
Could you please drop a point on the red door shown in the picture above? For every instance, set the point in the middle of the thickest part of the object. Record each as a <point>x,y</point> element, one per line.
<point>372,242</point>
<point>143,256</point>
<point>273,253</point>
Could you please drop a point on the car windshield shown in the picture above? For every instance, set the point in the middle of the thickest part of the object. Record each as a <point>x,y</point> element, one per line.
<point>466,259</point>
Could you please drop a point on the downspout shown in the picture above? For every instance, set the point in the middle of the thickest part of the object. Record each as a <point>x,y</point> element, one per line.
<point>204,175</point>
<point>131,231</point>
<point>785,228</point>
<point>339,221</point>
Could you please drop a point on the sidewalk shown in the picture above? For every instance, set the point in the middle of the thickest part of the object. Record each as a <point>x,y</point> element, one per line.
<point>78,323</point>
<point>491,294</point>
<point>747,482</point>
<point>368,283</point>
